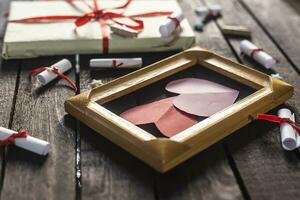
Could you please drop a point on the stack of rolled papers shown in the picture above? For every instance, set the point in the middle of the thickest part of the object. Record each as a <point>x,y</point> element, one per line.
<point>171,24</point>
<point>47,76</point>
<point>213,10</point>
<point>29,143</point>
<point>290,139</point>
<point>116,63</point>
<point>257,54</point>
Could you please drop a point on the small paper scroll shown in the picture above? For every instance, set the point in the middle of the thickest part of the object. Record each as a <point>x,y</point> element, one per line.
<point>257,54</point>
<point>171,24</point>
<point>290,139</point>
<point>123,31</point>
<point>214,10</point>
<point>29,143</point>
<point>47,76</point>
<point>116,63</point>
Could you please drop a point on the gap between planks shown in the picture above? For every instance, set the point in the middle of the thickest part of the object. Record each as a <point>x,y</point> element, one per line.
<point>11,115</point>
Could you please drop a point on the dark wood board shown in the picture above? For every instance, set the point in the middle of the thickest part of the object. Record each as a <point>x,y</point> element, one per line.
<point>207,175</point>
<point>109,172</point>
<point>30,176</point>
<point>8,82</point>
<point>281,20</point>
<point>256,148</point>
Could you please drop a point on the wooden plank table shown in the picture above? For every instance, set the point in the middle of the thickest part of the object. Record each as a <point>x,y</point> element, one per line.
<point>82,164</point>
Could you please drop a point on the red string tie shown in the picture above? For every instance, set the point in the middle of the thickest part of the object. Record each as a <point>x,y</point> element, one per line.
<point>11,139</point>
<point>115,65</point>
<point>278,120</point>
<point>174,19</point>
<point>56,71</point>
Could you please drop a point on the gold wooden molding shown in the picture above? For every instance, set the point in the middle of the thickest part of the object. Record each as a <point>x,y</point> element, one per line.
<point>165,153</point>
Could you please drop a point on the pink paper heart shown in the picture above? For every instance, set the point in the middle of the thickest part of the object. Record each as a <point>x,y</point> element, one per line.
<point>148,113</point>
<point>163,114</point>
<point>174,121</point>
<point>205,104</point>
<point>196,86</point>
<point>201,97</point>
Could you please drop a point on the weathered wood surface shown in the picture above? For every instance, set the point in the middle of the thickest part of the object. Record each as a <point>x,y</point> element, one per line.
<point>108,172</point>
<point>281,20</point>
<point>197,178</point>
<point>249,164</point>
<point>8,82</point>
<point>30,176</point>
<point>273,166</point>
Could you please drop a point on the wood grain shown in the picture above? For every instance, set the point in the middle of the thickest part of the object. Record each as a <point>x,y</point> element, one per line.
<point>208,174</point>
<point>109,172</point>
<point>256,148</point>
<point>8,81</point>
<point>30,176</point>
<point>280,19</point>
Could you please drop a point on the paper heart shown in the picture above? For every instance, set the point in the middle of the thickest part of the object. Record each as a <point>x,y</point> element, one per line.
<point>174,121</point>
<point>148,113</point>
<point>201,97</point>
<point>205,104</point>
<point>169,120</point>
<point>196,86</point>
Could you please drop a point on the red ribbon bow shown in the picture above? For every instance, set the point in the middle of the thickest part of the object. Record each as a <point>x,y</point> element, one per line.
<point>279,120</point>
<point>97,14</point>
<point>11,139</point>
<point>57,72</point>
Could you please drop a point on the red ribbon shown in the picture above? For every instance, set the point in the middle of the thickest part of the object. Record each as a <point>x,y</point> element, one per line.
<point>177,22</point>
<point>11,139</point>
<point>253,51</point>
<point>279,120</point>
<point>57,72</point>
<point>102,15</point>
<point>115,65</point>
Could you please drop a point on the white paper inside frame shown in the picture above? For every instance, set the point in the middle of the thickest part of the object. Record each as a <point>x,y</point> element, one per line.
<point>60,38</point>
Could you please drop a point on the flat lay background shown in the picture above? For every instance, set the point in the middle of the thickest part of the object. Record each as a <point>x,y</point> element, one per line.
<point>250,164</point>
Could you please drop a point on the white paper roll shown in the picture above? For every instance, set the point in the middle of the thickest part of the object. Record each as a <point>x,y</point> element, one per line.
<point>215,9</point>
<point>47,76</point>
<point>116,63</point>
<point>29,143</point>
<point>260,56</point>
<point>290,139</point>
<point>202,11</point>
<point>170,26</point>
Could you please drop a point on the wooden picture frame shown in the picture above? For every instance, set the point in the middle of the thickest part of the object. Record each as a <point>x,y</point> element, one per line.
<point>164,153</point>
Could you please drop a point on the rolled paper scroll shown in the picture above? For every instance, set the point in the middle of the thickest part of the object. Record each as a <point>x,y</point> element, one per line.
<point>123,31</point>
<point>173,21</point>
<point>116,63</point>
<point>214,10</point>
<point>202,10</point>
<point>47,75</point>
<point>290,139</point>
<point>29,143</point>
<point>257,54</point>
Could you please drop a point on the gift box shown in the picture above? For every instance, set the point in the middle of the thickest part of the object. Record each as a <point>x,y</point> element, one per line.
<point>39,28</point>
